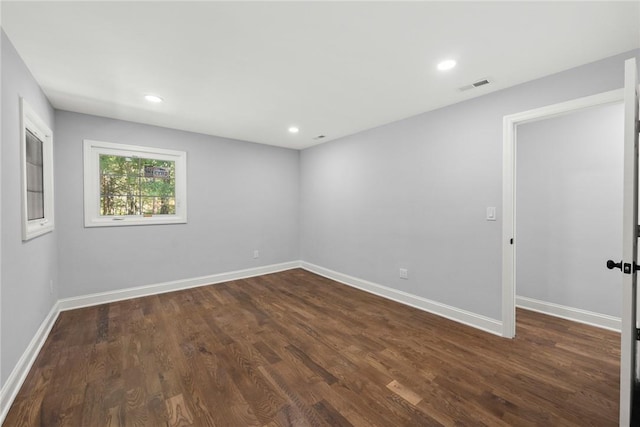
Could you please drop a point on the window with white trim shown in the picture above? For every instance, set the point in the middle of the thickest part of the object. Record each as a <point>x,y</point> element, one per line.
<point>37,174</point>
<point>133,185</point>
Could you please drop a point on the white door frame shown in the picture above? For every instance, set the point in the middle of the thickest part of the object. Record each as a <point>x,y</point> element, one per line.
<point>628,340</point>
<point>510,124</point>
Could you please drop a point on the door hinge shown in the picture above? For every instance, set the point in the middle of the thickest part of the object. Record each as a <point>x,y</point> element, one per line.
<point>511,241</point>
<point>637,334</point>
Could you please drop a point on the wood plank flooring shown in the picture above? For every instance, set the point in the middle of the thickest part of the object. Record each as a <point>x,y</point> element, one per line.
<point>296,349</point>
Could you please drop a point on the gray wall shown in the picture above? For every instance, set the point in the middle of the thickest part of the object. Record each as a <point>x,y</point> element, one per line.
<point>569,209</point>
<point>27,267</point>
<point>241,197</point>
<point>414,193</point>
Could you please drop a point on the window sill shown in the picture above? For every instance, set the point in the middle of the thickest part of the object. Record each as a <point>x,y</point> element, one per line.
<point>37,228</point>
<point>123,221</point>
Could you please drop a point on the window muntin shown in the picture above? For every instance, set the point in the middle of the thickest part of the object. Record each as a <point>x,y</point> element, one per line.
<point>133,185</point>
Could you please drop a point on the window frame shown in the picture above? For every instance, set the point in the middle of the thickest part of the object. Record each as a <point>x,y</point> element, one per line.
<point>92,151</point>
<point>31,121</point>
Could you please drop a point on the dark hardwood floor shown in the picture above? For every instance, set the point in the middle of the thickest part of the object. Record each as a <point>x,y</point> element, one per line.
<point>296,349</point>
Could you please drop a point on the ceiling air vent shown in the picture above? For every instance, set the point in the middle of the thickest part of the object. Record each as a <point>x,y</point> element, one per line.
<point>481,82</point>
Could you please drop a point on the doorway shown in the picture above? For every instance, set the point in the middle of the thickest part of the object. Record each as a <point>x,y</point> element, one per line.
<point>511,125</point>
<point>569,176</point>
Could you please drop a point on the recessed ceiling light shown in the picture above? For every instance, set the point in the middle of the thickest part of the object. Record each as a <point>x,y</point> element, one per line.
<point>294,129</point>
<point>446,65</point>
<point>153,98</point>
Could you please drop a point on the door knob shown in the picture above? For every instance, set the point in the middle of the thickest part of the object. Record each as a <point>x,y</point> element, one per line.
<point>611,265</point>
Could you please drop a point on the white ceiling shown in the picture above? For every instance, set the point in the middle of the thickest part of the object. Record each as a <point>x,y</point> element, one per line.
<point>250,70</point>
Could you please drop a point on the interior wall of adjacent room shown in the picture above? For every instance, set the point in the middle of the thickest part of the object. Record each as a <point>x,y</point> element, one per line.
<point>569,209</point>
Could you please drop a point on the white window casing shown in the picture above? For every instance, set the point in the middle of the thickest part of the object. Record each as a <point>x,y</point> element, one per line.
<point>92,204</point>
<point>36,151</point>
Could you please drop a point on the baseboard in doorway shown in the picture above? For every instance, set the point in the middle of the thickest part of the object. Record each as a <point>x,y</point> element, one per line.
<point>575,314</point>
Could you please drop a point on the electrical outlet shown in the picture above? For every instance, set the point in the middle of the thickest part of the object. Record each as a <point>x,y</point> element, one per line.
<point>404,273</point>
<point>51,287</point>
<point>256,254</point>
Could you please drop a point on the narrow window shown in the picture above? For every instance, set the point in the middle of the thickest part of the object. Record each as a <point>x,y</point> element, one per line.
<point>37,174</point>
<point>35,184</point>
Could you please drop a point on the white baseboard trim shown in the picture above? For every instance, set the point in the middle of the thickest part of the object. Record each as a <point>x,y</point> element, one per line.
<point>452,313</point>
<point>175,285</point>
<point>19,374</point>
<point>575,314</point>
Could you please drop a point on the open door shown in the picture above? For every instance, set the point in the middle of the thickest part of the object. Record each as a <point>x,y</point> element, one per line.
<point>628,265</point>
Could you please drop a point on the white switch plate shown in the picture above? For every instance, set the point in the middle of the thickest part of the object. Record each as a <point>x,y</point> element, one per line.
<point>491,213</point>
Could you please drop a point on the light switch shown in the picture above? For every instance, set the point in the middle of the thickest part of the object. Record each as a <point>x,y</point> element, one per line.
<point>491,213</point>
